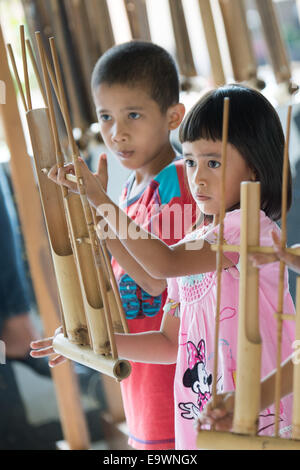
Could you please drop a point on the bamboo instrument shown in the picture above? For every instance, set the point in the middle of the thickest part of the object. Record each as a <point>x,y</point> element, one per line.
<point>212,42</point>
<point>239,41</point>
<point>39,257</point>
<point>102,322</point>
<point>87,299</point>
<point>138,20</point>
<point>247,394</point>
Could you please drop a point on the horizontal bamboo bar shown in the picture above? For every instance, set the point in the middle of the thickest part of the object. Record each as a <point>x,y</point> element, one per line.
<point>217,440</point>
<point>116,368</point>
<point>285,316</point>
<point>255,249</point>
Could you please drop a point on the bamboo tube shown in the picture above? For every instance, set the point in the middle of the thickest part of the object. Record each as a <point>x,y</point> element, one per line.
<point>239,41</point>
<point>220,248</point>
<point>116,368</point>
<point>17,77</point>
<point>209,440</point>
<point>138,20</point>
<point>247,396</point>
<point>212,42</point>
<point>296,376</point>
<point>274,40</point>
<point>183,47</point>
<point>26,77</point>
<point>86,208</point>
<point>36,72</point>
<point>64,265</point>
<point>282,270</point>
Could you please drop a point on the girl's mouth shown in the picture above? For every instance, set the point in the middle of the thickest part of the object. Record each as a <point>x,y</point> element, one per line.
<point>202,198</point>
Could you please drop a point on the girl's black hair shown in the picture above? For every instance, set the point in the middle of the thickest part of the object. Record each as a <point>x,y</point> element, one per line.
<point>254,130</point>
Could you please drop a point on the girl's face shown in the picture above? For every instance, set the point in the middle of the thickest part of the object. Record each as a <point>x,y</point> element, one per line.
<point>203,167</point>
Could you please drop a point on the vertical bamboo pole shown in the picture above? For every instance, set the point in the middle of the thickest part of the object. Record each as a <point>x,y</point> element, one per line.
<point>247,397</point>
<point>39,258</point>
<point>220,248</point>
<point>183,47</point>
<point>282,269</point>
<point>212,42</point>
<point>275,43</point>
<point>239,40</point>
<point>296,377</point>
<point>137,17</point>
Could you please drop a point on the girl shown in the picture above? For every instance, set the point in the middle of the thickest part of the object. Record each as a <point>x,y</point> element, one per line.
<point>255,153</point>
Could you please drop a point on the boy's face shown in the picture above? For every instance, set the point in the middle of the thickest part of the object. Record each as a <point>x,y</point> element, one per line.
<point>132,124</point>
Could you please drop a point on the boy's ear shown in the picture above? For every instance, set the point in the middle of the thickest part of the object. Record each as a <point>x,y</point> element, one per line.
<point>175,115</point>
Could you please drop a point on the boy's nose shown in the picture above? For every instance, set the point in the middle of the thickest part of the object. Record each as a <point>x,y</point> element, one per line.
<point>118,134</point>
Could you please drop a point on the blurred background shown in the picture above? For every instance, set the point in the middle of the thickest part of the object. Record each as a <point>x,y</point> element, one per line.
<point>213,42</point>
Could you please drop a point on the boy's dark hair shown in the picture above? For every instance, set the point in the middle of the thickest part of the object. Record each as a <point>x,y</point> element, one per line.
<point>140,63</point>
<point>254,130</point>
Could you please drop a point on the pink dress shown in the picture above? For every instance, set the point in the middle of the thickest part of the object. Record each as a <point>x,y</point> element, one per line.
<point>196,295</point>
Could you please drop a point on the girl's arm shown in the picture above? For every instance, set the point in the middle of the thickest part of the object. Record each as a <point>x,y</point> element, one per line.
<point>154,347</point>
<point>156,257</point>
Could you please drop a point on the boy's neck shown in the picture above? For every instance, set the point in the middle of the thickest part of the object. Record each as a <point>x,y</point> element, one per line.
<point>144,174</point>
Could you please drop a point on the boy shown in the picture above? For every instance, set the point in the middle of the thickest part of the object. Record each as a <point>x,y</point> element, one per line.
<point>136,93</point>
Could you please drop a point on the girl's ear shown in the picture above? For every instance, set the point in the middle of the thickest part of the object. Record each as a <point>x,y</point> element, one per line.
<point>175,115</point>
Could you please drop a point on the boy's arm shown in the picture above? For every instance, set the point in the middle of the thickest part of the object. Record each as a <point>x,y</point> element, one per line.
<point>153,347</point>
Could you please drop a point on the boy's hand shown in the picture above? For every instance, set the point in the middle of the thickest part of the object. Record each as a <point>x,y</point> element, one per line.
<point>43,347</point>
<point>221,416</point>
<point>293,261</point>
<point>95,183</point>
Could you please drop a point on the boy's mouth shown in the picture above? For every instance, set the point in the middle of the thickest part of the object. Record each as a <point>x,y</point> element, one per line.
<point>125,154</point>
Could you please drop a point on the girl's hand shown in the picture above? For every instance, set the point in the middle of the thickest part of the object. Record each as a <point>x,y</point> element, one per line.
<point>221,416</point>
<point>293,261</point>
<point>94,183</point>
<point>43,347</point>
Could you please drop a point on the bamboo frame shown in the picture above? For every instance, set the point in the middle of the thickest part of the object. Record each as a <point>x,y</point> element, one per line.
<point>90,301</point>
<point>247,394</point>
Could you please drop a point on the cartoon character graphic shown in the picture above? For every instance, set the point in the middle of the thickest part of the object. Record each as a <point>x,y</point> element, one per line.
<point>198,379</point>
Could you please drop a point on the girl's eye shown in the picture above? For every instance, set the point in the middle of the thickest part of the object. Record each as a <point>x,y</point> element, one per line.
<point>105,117</point>
<point>214,164</point>
<point>189,163</point>
<point>134,115</point>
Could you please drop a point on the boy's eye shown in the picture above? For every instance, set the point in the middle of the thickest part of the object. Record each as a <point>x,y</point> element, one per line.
<point>214,164</point>
<point>189,162</point>
<point>134,115</point>
<point>105,117</point>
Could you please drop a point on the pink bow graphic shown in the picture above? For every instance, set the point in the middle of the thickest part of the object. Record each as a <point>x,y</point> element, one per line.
<point>196,354</point>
